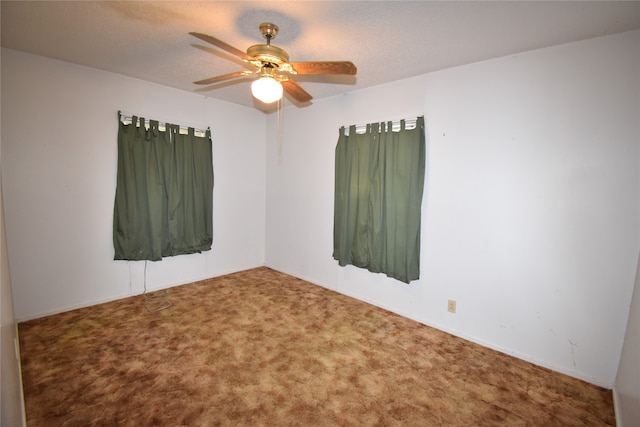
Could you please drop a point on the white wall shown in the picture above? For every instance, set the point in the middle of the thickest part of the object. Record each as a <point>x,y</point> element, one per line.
<point>531,210</point>
<point>627,387</point>
<point>11,402</point>
<point>59,154</point>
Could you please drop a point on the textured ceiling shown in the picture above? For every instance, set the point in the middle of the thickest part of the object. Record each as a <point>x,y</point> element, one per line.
<point>386,40</point>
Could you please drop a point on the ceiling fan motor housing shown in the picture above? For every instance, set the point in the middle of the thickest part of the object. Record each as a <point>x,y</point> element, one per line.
<point>268,53</point>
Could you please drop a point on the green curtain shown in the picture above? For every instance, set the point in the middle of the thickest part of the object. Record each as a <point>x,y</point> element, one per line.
<point>379,181</point>
<point>164,193</point>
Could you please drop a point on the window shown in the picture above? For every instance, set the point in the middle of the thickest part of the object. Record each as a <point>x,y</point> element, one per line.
<point>379,181</point>
<point>164,194</point>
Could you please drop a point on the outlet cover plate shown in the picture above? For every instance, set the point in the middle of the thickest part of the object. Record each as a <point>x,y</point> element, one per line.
<point>451,306</point>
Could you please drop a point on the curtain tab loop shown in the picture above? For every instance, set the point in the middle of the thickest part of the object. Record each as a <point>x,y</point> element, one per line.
<point>153,127</point>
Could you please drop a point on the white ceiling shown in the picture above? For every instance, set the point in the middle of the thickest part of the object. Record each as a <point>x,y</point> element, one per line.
<point>386,40</point>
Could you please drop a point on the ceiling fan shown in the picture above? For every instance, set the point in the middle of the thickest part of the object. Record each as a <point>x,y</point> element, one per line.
<point>272,64</point>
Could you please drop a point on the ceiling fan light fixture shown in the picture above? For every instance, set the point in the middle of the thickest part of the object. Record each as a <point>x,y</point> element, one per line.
<point>267,89</point>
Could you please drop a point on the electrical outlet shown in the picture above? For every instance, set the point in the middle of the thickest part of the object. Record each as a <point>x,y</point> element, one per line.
<point>451,306</point>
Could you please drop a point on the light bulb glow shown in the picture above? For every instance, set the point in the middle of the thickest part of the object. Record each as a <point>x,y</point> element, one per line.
<point>267,89</point>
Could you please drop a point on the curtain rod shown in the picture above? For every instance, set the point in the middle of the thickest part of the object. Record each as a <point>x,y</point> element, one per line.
<point>127,119</point>
<point>410,123</point>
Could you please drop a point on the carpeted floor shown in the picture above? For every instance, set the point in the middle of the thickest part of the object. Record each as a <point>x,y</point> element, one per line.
<point>261,348</point>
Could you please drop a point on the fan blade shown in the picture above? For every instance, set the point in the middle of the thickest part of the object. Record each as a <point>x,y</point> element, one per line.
<point>223,77</point>
<point>296,91</point>
<point>328,67</point>
<point>222,45</point>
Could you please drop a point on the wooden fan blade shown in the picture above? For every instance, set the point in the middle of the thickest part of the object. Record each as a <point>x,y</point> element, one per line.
<point>222,45</point>
<point>223,77</point>
<point>296,91</point>
<point>326,67</point>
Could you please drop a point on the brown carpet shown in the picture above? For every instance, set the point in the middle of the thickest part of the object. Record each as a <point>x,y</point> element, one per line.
<point>261,348</point>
